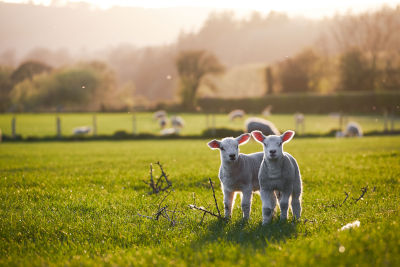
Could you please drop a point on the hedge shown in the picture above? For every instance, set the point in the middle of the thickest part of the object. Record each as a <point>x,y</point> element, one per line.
<point>308,103</point>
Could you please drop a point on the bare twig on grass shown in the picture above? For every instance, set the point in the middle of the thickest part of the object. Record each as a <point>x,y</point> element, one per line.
<point>157,186</point>
<point>347,196</point>
<point>206,211</point>
<point>164,212</point>
<point>363,191</point>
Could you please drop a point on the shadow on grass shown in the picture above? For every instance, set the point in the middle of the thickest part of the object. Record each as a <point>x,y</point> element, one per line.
<point>246,234</point>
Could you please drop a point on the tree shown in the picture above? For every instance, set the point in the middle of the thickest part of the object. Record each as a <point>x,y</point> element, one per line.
<point>375,34</point>
<point>6,86</point>
<point>300,73</point>
<point>192,67</point>
<point>354,72</point>
<point>269,80</point>
<point>29,69</point>
<point>86,86</point>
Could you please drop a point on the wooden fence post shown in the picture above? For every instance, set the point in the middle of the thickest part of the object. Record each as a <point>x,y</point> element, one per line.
<point>58,127</point>
<point>94,125</point>
<point>134,129</point>
<point>13,128</point>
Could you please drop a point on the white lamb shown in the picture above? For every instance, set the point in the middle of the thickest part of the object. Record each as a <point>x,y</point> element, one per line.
<point>258,124</point>
<point>236,114</point>
<point>279,171</point>
<point>159,114</point>
<point>177,122</point>
<point>353,129</point>
<point>238,172</point>
<point>82,130</point>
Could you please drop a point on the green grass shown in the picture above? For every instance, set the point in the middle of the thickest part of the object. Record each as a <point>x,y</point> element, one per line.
<point>77,203</point>
<point>40,125</point>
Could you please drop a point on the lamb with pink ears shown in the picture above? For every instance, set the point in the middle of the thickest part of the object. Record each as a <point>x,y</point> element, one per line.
<point>279,171</point>
<point>238,172</point>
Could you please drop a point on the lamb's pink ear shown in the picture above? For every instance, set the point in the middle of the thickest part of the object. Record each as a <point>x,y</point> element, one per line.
<point>242,139</point>
<point>258,136</point>
<point>287,136</point>
<point>214,144</point>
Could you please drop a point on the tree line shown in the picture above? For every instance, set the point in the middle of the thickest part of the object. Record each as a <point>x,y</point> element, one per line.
<point>354,53</point>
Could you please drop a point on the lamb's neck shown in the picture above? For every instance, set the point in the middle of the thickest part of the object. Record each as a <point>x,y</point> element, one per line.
<point>232,166</point>
<point>274,165</point>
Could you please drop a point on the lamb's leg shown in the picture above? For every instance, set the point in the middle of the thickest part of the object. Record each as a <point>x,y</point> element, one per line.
<point>296,204</point>
<point>246,203</point>
<point>284,205</point>
<point>268,205</point>
<point>228,202</point>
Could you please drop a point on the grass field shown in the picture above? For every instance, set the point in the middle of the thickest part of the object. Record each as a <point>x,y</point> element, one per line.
<point>40,125</point>
<point>77,203</point>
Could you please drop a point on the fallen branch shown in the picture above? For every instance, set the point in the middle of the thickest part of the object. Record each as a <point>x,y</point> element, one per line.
<point>363,191</point>
<point>157,186</point>
<point>347,196</point>
<point>206,211</point>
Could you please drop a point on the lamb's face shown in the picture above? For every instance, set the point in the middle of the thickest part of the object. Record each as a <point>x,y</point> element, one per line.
<point>273,144</point>
<point>273,147</point>
<point>229,147</point>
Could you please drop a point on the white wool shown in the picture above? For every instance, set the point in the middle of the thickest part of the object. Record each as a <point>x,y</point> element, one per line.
<point>82,130</point>
<point>350,225</point>
<point>279,172</point>
<point>238,172</point>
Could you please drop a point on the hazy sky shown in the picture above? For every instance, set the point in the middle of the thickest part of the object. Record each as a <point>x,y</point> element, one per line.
<point>310,8</point>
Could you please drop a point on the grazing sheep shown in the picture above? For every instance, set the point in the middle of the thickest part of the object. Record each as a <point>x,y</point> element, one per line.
<point>169,131</point>
<point>163,122</point>
<point>279,171</point>
<point>159,114</point>
<point>299,121</point>
<point>258,124</point>
<point>236,114</point>
<point>82,130</point>
<point>267,111</point>
<point>353,129</point>
<point>177,122</point>
<point>238,172</point>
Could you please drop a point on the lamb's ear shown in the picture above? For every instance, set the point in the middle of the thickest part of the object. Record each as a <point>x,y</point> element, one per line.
<point>214,144</point>
<point>242,139</point>
<point>258,136</point>
<point>287,136</point>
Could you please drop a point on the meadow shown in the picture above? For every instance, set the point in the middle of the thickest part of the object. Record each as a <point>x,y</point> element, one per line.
<point>40,125</point>
<point>77,203</point>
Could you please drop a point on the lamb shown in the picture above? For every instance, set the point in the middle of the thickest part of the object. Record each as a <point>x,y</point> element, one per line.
<point>238,172</point>
<point>177,122</point>
<point>163,122</point>
<point>236,114</point>
<point>299,121</point>
<point>82,130</point>
<point>266,127</point>
<point>159,114</point>
<point>280,172</point>
<point>353,129</point>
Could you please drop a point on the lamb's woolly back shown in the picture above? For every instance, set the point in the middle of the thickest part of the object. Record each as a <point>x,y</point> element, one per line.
<point>259,124</point>
<point>236,113</point>
<point>353,129</point>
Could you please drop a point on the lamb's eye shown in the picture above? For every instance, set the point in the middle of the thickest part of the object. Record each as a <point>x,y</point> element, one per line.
<point>280,144</point>
<point>222,148</point>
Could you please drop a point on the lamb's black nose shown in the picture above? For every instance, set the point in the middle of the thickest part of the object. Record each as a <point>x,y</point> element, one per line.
<point>272,151</point>
<point>232,156</point>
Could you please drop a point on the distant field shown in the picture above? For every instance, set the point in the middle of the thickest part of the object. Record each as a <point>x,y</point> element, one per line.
<point>107,123</point>
<point>76,203</point>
